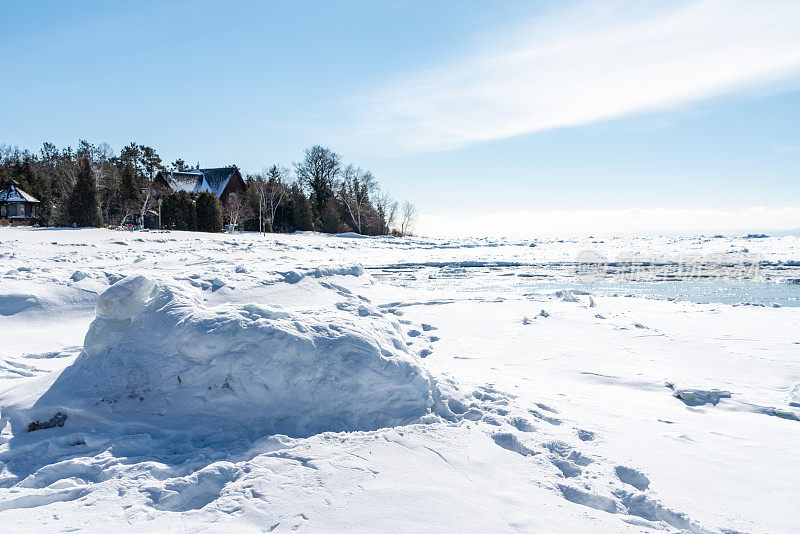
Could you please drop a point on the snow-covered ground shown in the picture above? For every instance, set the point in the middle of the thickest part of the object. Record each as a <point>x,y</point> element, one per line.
<point>222,383</point>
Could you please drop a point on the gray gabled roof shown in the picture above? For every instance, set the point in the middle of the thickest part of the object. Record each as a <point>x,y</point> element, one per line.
<point>199,180</point>
<point>188,181</point>
<point>12,193</point>
<point>217,179</point>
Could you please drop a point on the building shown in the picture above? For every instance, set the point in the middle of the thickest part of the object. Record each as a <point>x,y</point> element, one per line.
<point>17,206</point>
<point>223,182</point>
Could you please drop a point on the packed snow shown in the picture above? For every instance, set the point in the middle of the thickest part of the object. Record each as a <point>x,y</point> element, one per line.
<point>217,383</point>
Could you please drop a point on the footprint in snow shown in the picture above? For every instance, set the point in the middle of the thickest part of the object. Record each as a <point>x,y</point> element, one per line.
<point>539,415</point>
<point>510,442</point>
<point>522,424</point>
<point>632,477</point>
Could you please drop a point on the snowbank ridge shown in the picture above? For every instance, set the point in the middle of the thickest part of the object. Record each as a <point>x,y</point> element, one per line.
<point>157,358</point>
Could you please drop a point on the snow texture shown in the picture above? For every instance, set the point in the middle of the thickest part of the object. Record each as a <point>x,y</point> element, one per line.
<point>178,381</point>
<point>157,357</point>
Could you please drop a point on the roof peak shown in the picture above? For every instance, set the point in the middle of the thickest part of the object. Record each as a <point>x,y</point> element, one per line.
<point>11,192</point>
<point>207,169</point>
<point>226,167</point>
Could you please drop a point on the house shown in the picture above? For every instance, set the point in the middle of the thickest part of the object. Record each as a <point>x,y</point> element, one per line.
<point>17,206</point>
<point>223,182</point>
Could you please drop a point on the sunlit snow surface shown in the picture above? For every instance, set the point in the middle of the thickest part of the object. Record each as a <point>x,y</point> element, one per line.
<point>328,384</point>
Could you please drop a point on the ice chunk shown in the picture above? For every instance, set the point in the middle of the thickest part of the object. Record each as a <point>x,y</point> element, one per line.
<point>121,300</point>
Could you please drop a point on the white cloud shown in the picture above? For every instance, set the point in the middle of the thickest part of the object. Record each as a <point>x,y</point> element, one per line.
<point>589,64</point>
<point>604,222</point>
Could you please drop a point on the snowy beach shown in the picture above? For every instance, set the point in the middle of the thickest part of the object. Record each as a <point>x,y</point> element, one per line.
<point>218,383</point>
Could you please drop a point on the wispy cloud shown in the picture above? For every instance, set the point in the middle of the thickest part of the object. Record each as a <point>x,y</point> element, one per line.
<point>587,64</point>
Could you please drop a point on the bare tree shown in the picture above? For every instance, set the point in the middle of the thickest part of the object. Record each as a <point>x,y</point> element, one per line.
<point>257,185</point>
<point>150,162</point>
<point>129,209</point>
<point>386,208</point>
<point>357,186</point>
<point>273,192</point>
<point>105,174</point>
<point>232,209</point>
<point>408,216</point>
<point>148,194</point>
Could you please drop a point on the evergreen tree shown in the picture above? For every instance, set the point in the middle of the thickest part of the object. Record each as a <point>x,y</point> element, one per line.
<point>44,209</point>
<point>151,161</point>
<point>24,174</point>
<point>49,161</point>
<point>302,218</point>
<point>129,189</point>
<point>108,191</point>
<point>331,221</point>
<point>252,201</point>
<point>209,213</point>
<point>178,212</point>
<point>83,207</point>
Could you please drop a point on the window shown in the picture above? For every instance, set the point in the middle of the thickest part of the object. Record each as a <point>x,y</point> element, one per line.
<point>3,210</point>
<point>16,209</point>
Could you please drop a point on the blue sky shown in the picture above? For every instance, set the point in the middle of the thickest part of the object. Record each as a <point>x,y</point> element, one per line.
<point>466,108</point>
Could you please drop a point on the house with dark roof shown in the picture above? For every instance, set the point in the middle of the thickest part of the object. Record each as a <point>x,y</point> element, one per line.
<point>222,181</point>
<point>17,206</point>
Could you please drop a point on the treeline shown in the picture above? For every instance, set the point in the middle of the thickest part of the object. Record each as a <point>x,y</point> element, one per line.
<point>89,186</point>
<point>325,194</point>
<point>93,186</point>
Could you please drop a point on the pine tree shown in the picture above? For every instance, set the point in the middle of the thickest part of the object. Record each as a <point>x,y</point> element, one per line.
<point>331,221</point>
<point>83,207</point>
<point>178,212</point>
<point>301,210</point>
<point>209,213</point>
<point>129,189</point>
<point>44,209</point>
<point>252,202</point>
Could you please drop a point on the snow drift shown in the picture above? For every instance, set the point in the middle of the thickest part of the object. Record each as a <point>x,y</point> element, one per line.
<point>156,358</point>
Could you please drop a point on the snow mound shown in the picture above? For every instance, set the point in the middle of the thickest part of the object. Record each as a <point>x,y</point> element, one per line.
<point>292,277</point>
<point>157,360</point>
